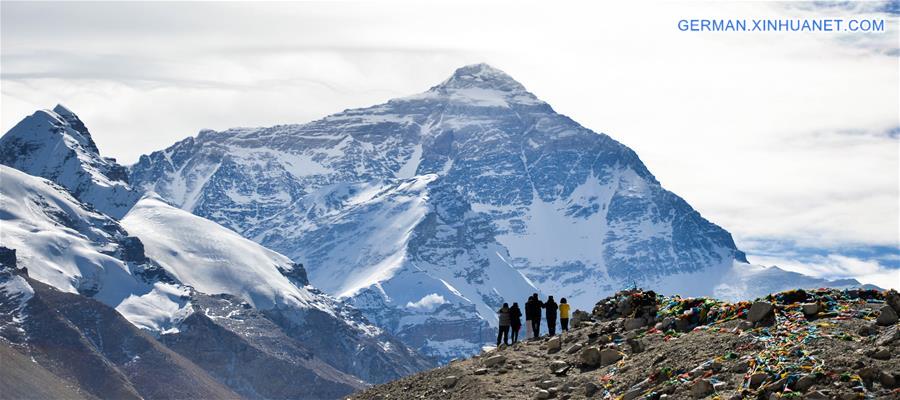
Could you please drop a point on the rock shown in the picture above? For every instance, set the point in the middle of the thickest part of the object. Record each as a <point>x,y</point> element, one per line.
<point>590,389</point>
<point>449,381</point>
<point>892,298</point>
<point>545,384</point>
<point>542,394</point>
<point>579,317</point>
<point>666,324</point>
<point>886,316</point>
<point>880,353</point>
<point>887,379</point>
<point>745,325</point>
<point>590,356</point>
<point>869,374</point>
<point>805,382</point>
<point>637,346</point>
<point>554,344</point>
<point>682,325</point>
<point>494,360</point>
<point>701,388</point>
<point>558,366</point>
<point>481,371</point>
<point>816,396</point>
<point>741,366</point>
<point>867,330</point>
<point>632,394</point>
<point>810,309</point>
<point>757,379</point>
<point>609,356</point>
<point>574,348</point>
<point>888,337</point>
<point>760,311</point>
<point>633,323</point>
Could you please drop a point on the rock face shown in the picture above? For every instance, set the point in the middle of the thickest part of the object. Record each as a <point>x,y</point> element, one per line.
<point>429,211</point>
<point>796,358</point>
<point>55,144</point>
<point>83,342</point>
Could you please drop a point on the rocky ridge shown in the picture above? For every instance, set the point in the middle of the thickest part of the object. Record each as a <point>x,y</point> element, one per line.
<point>813,344</point>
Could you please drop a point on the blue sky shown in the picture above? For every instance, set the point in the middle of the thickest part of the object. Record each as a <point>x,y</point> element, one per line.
<point>788,140</point>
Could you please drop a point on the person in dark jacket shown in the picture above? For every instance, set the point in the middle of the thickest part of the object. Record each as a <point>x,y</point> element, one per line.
<point>515,321</point>
<point>536,306</point>
<point>529,315</point>
<point>503,332</point>
<point>551,307</point>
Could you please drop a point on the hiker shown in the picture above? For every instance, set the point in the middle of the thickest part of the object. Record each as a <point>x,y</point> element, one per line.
<point>536,306</point>
<point>529,316</point>
<point>515,321</point>
<point>503,332</point>
<point>564,314</point>
<point>551,307</point>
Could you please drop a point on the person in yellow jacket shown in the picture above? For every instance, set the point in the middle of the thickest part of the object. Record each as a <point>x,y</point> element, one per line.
<point>564,314</point>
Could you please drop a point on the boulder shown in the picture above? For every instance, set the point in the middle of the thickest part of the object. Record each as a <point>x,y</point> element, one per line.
<point>579,317</point>
<point>481,371</point>
<point>574,348</point>
<point>542,394</point>
<point>610,356</point>
<point>701,388</point>
<point>892,298</point>
<point>889,336</point>
<point>760,311</point>
<point>494,360</point>
<point>757,379</point>
<point>633,323</point>
<point>590,389</point>
<point>887,380</point>
<point>683,325</point>
<point>805,382</point>
<point>887,316</point>
<point>558,366</point>
<point>637,346</point>
<point>633,394</point>
<point>810,309</point>
<point>554,344</point>
<point>880,353</point>
<point>449,381</point>
<point>590,356</point>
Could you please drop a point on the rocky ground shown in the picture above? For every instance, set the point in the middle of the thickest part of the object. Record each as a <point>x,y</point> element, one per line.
<point>822,344</point>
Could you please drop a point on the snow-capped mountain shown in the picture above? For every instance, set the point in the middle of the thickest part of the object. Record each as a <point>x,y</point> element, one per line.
<point>429,211</point>
<point>177,276</point>
<point>58,146</point>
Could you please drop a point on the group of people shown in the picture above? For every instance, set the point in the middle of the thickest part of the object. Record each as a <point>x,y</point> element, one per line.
<point>510,318</point>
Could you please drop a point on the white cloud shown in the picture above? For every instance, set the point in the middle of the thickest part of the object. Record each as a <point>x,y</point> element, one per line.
<point>427,303</point>
<point>835,266</point>
<point>772,136</point>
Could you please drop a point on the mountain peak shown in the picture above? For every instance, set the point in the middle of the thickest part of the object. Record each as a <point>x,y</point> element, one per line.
<point>481,76</point>
<point>75,123</point>
<point>64,111</point>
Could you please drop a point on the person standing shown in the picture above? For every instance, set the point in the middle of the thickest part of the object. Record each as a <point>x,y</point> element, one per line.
<point>564,314</point>
<point>551,307</point>
<point>529,316</point>
<point>503,330</point>
<point>536,306</point>
<point>515,321</point>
